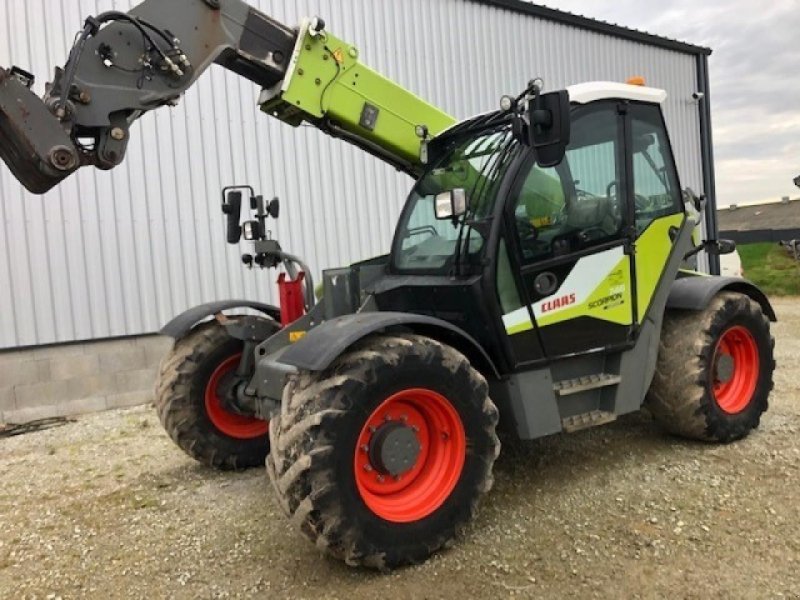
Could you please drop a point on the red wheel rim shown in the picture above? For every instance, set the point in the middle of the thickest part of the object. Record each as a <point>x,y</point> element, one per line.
<point>424,487</point>
<point>231,424</point>
<point>735,394</point>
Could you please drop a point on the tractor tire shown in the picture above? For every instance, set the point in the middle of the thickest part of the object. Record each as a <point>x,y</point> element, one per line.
<point>332,450</point>
<point>714,372</point>
<point>190,409</point>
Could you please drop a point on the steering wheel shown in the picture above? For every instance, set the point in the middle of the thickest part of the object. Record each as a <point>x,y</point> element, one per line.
<point>642,203</point>
<point>421,230</point>
<point>581,194</point>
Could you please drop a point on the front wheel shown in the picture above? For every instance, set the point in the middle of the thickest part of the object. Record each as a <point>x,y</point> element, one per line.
<point>189,399</point>
<point>382,458</point>
<point>714,372</point>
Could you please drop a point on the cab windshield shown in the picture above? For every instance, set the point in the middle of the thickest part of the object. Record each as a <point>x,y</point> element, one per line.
<point>475,162</point>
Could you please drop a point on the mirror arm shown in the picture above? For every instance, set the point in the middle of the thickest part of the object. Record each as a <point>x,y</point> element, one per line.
<point>717,247</point>
<point>227,189</point>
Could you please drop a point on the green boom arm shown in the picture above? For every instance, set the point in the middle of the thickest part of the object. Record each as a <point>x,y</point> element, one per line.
<point>124,65</point>
<point>329,87</point>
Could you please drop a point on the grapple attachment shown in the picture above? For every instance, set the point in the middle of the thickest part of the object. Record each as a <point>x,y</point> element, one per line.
<point>33,143</point>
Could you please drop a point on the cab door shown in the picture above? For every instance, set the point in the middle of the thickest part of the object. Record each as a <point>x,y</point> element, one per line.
<point>569,245</point>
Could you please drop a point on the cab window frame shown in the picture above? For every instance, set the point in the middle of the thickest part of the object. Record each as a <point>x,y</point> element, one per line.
<point>678,201</point>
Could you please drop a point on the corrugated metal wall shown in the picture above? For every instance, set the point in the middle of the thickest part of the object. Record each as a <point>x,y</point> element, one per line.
<point>120,253</point>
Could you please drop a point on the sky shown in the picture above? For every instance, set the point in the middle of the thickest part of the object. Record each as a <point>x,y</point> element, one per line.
<point>755,82</point>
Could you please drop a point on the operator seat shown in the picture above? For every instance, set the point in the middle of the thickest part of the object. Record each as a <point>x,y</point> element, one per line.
<point>593,212</point>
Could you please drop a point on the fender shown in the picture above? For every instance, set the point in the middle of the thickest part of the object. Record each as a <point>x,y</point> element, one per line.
<point>185,322</point>
<point>696,292</point>
<point>326,342</point>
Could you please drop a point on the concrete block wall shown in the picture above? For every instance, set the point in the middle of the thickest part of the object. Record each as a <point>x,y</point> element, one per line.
<point>58,381</point>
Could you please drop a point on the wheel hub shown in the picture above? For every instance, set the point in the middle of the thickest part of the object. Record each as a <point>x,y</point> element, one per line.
<point>228,391</point>
<point>394,449</point>
<point>409,455</point>
<point>725,368</point>
<point>226,419</point>
<point>736,369</point>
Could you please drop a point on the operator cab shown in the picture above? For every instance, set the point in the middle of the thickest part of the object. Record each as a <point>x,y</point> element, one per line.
<point>543,228</point>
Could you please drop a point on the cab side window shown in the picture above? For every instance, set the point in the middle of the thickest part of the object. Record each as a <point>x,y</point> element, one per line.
<point>655,182</point>
<point>577,204</point>
<point>540,208</point>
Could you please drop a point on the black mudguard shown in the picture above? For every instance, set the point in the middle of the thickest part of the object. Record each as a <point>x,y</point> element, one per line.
<point>185,322</point>
<point>696,292</point>
<point>323,344</point>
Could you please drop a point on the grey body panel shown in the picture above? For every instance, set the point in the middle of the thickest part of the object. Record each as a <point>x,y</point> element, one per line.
<point>695,292</point>
<point>323,344</point>
<point>638,366</point>
<point>185,322</point>
<point>345,290</point>
<point>269,379</point>
<point>528,404</point>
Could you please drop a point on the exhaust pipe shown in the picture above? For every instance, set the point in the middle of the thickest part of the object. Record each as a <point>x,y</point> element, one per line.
<point>33,143</point>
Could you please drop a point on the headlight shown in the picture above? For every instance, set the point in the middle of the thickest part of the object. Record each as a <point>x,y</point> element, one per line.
<point>251,230</point>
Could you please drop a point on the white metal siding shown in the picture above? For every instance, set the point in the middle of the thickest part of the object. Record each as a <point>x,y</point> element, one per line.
<point>120,253</point>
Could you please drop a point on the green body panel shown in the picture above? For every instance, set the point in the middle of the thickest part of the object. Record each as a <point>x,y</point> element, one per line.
<point>652,251</point>
<point>653,248</point>
<point>327,81</point>
<point>616,285</point>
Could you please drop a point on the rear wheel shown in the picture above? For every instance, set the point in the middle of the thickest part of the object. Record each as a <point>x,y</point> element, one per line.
<point>382,458</point>
<point>189,399</point>
<point>714,371</point>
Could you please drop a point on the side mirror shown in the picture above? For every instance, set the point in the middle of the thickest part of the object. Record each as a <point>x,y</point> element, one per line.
<point>451,204</point>
<point>722,247</point>
<point>232,207</point>
<point>713,247</point>
<point>274,208</point>
<point>549,127</point>
<point>699,202</point>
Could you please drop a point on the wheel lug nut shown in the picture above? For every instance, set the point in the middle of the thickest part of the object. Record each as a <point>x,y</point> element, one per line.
<point>380,478</point>
<point>365,448</point>
<point>372,429</point>
<point>445,436</point>
<point>368,468</point>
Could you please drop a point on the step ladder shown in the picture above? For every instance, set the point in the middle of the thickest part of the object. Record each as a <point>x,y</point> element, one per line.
<point>586,420</point>
<point>593,418</point>
<point>584,384</point>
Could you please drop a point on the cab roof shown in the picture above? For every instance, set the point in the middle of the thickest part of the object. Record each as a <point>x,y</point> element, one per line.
<point>584,93</point>
<point>581,93</point>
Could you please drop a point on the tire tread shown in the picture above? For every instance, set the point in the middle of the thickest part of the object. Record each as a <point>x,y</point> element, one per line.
<point>312,405</point>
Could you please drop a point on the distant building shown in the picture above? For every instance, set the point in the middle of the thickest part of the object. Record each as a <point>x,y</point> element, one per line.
<point>766,222</point>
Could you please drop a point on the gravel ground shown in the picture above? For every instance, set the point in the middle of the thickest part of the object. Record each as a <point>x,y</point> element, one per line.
<point>107,507</point>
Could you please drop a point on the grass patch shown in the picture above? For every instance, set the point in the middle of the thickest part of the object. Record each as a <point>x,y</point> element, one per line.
<point>771,268</point>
